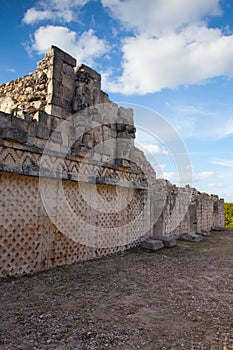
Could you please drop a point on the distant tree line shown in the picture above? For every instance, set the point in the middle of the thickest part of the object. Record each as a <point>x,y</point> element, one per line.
<point>228,214</point>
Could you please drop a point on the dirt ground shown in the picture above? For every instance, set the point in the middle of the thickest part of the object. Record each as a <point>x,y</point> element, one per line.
<point>178,298</point>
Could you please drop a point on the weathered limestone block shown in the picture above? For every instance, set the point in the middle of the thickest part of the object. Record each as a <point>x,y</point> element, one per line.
<point>42,132</point>
<point>152,244</point>
<point>191,237</point>
<point>5,120</point>
<point>7,104</point>
<point>168,242</point>
<point>217,228</point>
<point>13,134</point>
<point>54,110</point>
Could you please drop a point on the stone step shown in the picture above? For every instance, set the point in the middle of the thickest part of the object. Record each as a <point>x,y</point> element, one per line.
<point>218,228</point>
<point>152,244</point>
<point>168,242</point>
<point>191,237</point>
<point>205,233</point>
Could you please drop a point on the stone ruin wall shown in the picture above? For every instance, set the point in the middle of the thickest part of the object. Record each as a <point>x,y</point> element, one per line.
<point>184,209</point>
<point>57,87</point>
<point>61,138</point>
<point>27,95</point>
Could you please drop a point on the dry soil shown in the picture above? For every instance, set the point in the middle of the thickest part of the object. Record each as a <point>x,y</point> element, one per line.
<point>178,298</point>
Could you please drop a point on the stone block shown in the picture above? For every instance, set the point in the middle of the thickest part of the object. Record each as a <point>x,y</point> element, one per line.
<point>28,118</point>
<point>69,60</point>
<point>43,118</point>
<point>57,71</point>
<point>104,97</point>
<point>191,237</point>
<point>91,72</point>
<point>19,123</point>
<point>56,137</point>
<point>55,100</point>
<point>152,244</point>
<point>105,158</point>
<point>80,149</point>
<point>42,131</point>
<point>32,127</point>
<point>218,228</point>
<point>5,120</point>
<point>68,70</point>
<point>13,134</point>
<point>67,94</point>
<point>56,111</point>
<point>68,82</point>
<point>205,233</point>
<point>54,122</point>
<point>53,147</point>
<point>57,89</point>
<point>96,156</point>
<point>67,105</point>
<point>168,242</point>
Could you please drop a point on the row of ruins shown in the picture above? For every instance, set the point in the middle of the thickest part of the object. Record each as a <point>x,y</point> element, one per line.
<point>73,185</point>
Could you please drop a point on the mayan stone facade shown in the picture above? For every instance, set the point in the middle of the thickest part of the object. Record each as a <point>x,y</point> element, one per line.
<point>73,186</point>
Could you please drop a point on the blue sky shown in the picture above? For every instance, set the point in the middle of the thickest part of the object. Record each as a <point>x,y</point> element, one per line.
<point>173,57</point>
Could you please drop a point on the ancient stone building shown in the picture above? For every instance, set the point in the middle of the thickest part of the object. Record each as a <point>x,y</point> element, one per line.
<point>73,186</point>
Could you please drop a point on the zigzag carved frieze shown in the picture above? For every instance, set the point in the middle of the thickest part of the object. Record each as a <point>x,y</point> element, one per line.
<point>35,164</point>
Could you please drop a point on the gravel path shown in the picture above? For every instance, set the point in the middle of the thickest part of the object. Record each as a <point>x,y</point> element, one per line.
<point>178,298</point>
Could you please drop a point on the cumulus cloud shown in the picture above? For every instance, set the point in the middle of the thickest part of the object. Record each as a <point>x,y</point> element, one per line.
<point>188,57</point>
<point>85,48</point>
<point>171,45</point>
<point>155,150</point>
<point>159,16</point>
<point>64,11</point>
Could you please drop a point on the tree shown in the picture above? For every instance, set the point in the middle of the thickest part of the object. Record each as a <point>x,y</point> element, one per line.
<point>228,214</point>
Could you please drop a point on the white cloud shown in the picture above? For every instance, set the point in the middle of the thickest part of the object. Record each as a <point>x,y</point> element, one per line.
<point>188,57</point>
<point>197,121</point>
<point>154,149</point>
<point>224,162</point>
<point>227,128</point>
<point>202,175</point>
<point>187,177</point>
<point>85,48</point>
<point>216,185</point>
<point>32,15</point>
<point>65,10</point>
<point>171,45</point>
<point>159,16</point>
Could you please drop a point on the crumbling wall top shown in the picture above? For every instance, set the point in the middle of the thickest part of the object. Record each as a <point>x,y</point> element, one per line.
<point>61,108</point>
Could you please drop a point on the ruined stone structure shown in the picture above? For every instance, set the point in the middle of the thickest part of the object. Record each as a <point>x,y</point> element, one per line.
<point>73,186</point>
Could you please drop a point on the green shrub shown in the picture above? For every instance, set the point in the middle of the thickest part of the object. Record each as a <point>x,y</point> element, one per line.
<point>228,214</point>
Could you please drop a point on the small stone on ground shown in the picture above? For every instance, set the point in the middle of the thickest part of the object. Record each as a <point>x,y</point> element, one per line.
<point>168,242</point>
<point>191,237</point>
<point>152,244</point>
